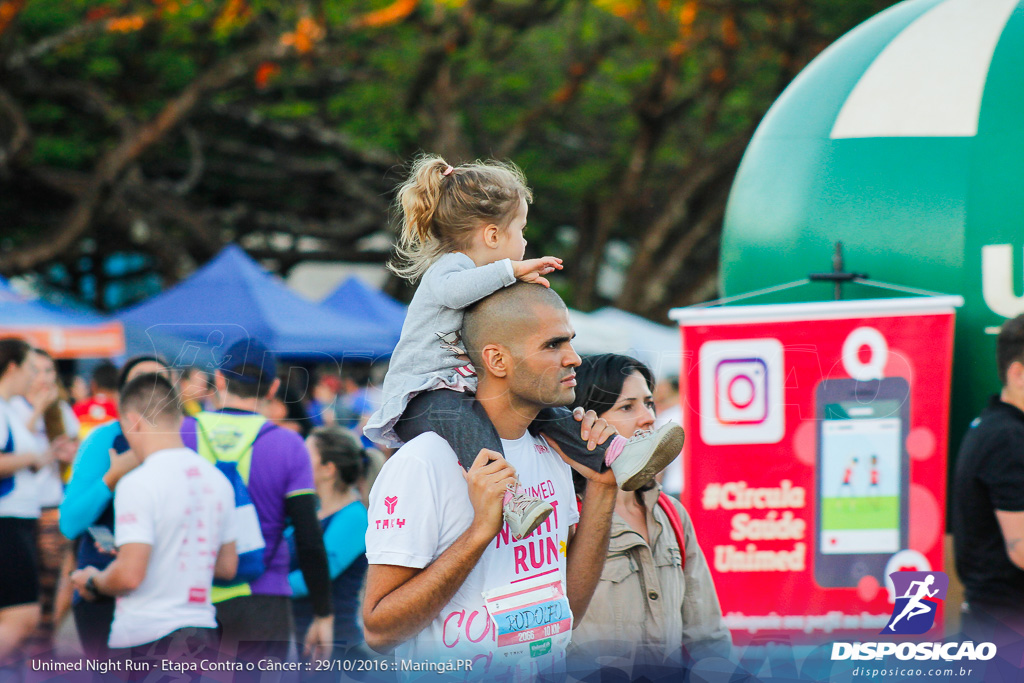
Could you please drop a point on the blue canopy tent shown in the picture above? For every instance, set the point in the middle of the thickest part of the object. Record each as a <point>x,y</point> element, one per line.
<point>65,333</point>
<point>233,297</point>
<point>355,299</point>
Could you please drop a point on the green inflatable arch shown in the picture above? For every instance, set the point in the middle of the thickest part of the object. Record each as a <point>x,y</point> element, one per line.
<point>905,141</point>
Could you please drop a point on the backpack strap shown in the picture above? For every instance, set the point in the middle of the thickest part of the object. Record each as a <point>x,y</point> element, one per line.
<point>669,508</point>
<point>241,451</point>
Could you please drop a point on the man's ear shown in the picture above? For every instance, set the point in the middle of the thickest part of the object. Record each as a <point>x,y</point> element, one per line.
<point>130,421</point>
<point>273,389</point>
<point>1015,376</point>
<point>496,359</point>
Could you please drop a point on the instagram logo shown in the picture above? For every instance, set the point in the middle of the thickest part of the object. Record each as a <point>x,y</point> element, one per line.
<point>741,387</point>
<point>741,391</point>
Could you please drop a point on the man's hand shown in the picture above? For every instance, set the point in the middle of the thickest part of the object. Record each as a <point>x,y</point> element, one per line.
<point>120,465</point>
<point>534,270</point>
<point>320,638</point>
<point>593,429</point>
<point>80,577</point>
<point>488,479</point>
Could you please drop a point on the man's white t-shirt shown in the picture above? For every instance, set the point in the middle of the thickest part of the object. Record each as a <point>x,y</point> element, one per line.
<point>182,506</point>
<point>419,506</point>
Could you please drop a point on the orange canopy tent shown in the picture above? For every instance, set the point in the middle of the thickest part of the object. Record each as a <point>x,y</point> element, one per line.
<point>64,333</point>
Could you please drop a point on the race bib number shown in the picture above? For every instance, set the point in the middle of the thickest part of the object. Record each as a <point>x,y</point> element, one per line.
<point>531,618</point>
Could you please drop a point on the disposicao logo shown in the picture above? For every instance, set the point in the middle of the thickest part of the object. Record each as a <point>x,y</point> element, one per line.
<point>917,600</point>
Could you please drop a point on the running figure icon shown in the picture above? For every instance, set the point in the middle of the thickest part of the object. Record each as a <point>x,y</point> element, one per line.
<point>915,606</point>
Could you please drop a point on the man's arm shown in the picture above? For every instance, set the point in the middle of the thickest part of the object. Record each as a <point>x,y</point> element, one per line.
<point>309,546</point>
<point>1012,526</point>
<point>226,565</point>
<point>123,575</point>
<point>588,546</point>
<point>402,601</point>
<point>588,543</point>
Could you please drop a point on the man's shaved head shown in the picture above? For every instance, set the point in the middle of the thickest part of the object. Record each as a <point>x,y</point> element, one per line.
<point>505,317</point>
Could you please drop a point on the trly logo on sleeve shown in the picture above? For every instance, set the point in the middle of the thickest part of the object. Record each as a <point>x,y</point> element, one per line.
<point>917,600</point>
<point>390,502</point>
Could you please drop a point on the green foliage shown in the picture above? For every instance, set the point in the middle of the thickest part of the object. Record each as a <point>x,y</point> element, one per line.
<point>566,93</point>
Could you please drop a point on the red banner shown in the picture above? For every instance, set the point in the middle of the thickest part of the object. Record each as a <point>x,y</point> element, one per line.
<point>815,458</point>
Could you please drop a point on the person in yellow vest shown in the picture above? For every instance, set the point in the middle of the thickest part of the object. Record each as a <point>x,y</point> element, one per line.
<point>270,469</point>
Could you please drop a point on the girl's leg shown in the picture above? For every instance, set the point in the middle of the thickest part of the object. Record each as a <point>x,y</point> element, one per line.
<point>460,420</point>
<point>634,461</point>
<point>560,426</point>
<point>456,417</point>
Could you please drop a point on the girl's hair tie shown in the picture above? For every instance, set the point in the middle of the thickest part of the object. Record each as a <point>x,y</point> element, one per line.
<point>448,171</point>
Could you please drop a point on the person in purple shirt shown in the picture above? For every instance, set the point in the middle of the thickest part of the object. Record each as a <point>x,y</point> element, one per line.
<point>256,619</point>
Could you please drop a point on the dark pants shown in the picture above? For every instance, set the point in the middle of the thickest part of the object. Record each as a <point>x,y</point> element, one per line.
<point>256,627</point>
<point>92,621</point>
<point>458,418</point>
<point>184,646</point>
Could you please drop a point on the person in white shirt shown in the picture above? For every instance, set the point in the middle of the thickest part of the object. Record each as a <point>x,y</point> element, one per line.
<point>21,456</point>
<point>52,421</point>
<point>174,534</point>
<point>447,581</point>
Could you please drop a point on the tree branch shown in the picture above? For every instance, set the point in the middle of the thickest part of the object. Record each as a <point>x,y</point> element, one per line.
<point>21,134</point>
<point>112,163</point>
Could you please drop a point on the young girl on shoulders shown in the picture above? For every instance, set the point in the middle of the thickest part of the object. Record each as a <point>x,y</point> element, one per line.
<point>462,234</point>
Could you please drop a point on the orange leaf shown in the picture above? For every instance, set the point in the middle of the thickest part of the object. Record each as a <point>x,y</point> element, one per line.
<point>9,10</point>
<point>730,35</point>
<point>97,13</point>
<point>307,33</point>
<point>126,24</point>
<point>235,13</point>
<point>265,72</point>
<point>392,14</point>
<point>687,16</point>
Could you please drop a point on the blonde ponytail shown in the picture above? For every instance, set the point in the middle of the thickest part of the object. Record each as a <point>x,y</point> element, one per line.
<point>441,206</point>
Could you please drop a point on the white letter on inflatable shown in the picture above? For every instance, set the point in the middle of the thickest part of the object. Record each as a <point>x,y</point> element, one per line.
<point>997,281</point>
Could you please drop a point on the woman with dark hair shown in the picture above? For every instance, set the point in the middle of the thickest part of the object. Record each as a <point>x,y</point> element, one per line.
<point>655,603</point>
<point>87,512</point>
<point>52,422</point>
<point>338,461</point>
<point>20,457</point>
<point>286,410</point>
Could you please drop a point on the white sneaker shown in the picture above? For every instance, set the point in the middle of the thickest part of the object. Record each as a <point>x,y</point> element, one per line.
<point>525,513</point>
<point>646,454</point>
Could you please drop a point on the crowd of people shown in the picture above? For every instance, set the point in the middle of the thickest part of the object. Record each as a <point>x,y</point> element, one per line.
<point>494,503</point>
<point>104,501</point>
<point>239,514</point>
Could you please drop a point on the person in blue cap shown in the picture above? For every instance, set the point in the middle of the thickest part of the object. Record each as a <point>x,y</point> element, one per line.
<point>273,466</point>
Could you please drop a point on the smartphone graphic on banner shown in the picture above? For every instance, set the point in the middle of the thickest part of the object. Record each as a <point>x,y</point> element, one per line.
<point>863,478</point>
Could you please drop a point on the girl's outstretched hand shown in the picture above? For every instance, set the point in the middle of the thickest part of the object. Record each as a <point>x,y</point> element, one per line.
<point>534,270</point>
